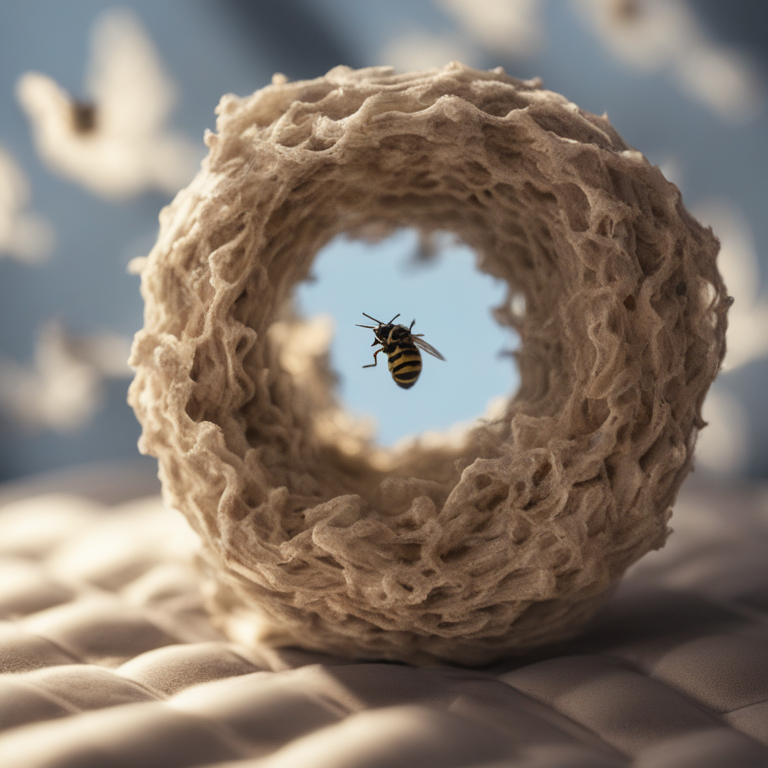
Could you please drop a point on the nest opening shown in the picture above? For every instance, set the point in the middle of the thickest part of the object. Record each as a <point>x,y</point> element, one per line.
<point>339,459</point>
<point>435,281</point>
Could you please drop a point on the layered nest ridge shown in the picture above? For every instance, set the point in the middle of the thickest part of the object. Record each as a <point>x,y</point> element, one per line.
<point>462,551</point>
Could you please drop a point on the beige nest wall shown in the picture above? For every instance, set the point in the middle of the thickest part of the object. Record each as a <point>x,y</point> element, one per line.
<point>456,552</point>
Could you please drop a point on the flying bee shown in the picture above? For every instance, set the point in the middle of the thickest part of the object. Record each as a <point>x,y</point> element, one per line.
<point>401,348</point>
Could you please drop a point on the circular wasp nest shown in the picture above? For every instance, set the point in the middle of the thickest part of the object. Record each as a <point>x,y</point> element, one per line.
<point>458,551</point>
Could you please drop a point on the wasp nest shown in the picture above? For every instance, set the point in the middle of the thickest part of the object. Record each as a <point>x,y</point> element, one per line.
<point>461,552</point>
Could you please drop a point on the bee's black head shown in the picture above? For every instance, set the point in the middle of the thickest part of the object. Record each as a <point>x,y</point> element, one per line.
<point>382,331</point>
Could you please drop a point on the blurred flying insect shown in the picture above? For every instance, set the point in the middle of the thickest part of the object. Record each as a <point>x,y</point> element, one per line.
<point>401,348</point>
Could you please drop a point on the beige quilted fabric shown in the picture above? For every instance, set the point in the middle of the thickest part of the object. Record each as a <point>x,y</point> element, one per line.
<point>108,660</point>
<point>514,537</point>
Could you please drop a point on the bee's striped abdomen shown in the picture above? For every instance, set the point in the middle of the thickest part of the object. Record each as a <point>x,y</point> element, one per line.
<point>404,362</point>
<point>401,348</point>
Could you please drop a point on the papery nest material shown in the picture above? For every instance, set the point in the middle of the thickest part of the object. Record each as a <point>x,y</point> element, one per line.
<point>437,553</point>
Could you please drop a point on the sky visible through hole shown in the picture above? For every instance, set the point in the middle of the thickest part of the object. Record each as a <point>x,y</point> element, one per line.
<point>451,301</point>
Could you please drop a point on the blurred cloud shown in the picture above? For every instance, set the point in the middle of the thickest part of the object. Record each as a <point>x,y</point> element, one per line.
<point>417,51</point>
<point>656,35</point>
<point>723,447</point>
<point>62,389</point>
<point>739,266</point>
<point>117,144</point>
<point>649,35</point>
<point>24,235</point>
<point>507,27</point>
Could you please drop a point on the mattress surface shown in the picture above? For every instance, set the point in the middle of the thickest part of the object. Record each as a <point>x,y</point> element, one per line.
<point>107,658</point>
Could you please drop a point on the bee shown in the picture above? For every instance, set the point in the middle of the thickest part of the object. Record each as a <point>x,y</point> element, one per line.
<point>401,348</point>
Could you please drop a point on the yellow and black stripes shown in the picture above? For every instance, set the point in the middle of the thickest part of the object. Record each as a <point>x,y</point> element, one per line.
<point>401,347</point>
<point>404,362</point>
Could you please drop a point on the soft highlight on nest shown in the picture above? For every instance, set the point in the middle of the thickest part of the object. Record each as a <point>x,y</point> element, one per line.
<point>461,552</point>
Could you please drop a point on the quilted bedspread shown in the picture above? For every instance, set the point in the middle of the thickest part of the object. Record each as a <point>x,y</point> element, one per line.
<point>107,658</point>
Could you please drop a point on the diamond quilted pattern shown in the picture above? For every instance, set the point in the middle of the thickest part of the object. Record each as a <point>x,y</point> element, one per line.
<point>752,720</point>
<point>631,710</point>
<point>107,658</point>
<point>714,748</point>
<point>265,710</point>
<point>393,737</point>
<point>722,672</point>
<point>22,703</point>
<point>98,630</point>
<point>174,668</point>
<point>21,651</point>
<point>86,686</point>
<point>151,736</point>
<point>25,589</point>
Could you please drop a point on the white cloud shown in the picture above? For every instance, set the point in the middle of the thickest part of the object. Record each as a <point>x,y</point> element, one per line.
<point>738,264</point>
<point>665,35</point>
<point>723,447</point>
<point>507,27</point>
<point>418,51</point>
<point>116,145</point>
<point>62,389</point>
<point>24,235</point>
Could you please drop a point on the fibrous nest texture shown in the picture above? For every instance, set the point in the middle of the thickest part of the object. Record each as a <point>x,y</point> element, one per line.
<point>438,552</point>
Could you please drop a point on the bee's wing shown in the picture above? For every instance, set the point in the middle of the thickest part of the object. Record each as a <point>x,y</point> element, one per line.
<point>428,348</point>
